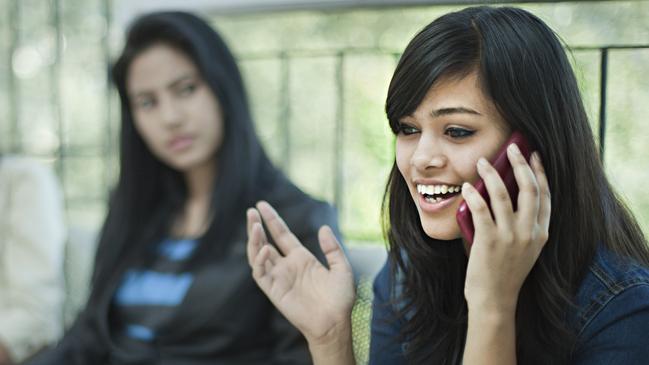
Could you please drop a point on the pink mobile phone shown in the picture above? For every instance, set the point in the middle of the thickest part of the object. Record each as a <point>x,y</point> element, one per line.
<point>504,168</point>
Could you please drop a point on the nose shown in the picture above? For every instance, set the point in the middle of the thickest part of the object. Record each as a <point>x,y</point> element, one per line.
<point>170,113</point>
<point>429,154</point>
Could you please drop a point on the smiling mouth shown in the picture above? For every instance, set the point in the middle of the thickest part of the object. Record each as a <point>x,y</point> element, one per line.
<point>437,193</point>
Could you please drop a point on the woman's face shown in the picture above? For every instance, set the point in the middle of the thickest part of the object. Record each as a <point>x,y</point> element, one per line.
<point>439,145</point>
<point>174,110</point>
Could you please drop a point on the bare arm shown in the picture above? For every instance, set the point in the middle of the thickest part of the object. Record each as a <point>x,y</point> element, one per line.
<point>503,254</point>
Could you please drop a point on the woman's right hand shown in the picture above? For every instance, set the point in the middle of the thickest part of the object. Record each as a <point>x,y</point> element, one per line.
<point>316,300</point>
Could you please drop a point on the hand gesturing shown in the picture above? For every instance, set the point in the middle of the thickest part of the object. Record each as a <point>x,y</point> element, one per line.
<point>315,299</point>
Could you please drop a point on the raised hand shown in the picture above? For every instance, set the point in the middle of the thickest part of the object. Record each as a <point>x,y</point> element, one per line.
<point>502,255</point>
<point>315,299</point>
<point>505,249</point>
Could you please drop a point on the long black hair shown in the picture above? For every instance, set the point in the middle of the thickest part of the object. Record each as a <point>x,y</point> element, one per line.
<point>149,193</point>
<point>524,71</point>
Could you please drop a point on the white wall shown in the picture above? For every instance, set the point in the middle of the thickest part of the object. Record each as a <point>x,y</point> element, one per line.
<point>125,10</point>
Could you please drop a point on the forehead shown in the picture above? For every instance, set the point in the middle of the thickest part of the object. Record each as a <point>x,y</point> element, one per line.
<point>156,67</point>
<point>458,93</point>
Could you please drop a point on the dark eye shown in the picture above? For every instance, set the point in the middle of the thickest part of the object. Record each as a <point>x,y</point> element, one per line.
<point>407,129</point>
<point>187,90</point>
<point>144,103</point>
<point>455,132</point>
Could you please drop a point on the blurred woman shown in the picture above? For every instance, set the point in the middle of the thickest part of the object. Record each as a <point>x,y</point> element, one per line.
<point>561,278</point>
<point>171,284</point>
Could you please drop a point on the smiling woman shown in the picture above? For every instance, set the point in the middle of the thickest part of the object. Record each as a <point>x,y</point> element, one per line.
<point>453,126</point>
<point>563,278</point>
<point>171,283</point>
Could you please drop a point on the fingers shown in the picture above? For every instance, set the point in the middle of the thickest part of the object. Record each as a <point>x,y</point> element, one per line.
<point>264,259</point>
<point>480,214</point>
<point>334,254</point>
<point>528,194</point>
<point>545,198</point>
<point>501,203</point>
<point>256,238</point>
<point>280,232</point>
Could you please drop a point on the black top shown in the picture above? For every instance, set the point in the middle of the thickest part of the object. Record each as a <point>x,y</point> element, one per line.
<point>238,323</point>
<point>149,296</point>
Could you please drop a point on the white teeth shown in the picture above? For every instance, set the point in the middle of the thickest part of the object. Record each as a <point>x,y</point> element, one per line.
<point>437,189</point>
<point>434,199</point>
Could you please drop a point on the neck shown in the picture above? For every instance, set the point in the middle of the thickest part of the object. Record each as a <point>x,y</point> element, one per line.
<point>200,182</point>
<point>194,219</point>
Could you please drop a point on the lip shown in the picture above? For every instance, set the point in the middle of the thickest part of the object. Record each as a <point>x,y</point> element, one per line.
<point>180,143</point>
<point>436,207</point>
<point>431,182</point>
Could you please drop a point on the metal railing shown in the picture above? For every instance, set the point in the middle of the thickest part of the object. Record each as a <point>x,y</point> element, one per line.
<point>106,152</point>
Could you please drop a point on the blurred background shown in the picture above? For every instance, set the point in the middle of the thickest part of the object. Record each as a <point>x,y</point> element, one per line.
<point>317,74</point>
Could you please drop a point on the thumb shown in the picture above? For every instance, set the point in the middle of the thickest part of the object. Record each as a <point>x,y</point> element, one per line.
<point>333,252</point>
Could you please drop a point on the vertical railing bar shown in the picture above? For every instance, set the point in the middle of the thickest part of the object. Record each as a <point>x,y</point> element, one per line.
<point>284,122</point>
<point>602,101</point>
<point>396,57</point>
<point>109,148</point>
<point>339,133</point>
<point>56,89</point>
<point>12,83</point>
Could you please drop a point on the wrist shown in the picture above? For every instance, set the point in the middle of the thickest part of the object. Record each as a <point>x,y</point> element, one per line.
<point>492,317</point>
<point>490,304</point>
<point>335,347</point>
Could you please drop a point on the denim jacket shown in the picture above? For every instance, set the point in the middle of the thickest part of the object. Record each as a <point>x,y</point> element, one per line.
<point>611,319</point>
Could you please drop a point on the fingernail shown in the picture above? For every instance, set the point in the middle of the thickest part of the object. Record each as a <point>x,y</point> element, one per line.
<point>536,156</point>
<point>482,162</point>
<point>466,187</point>
<point>514,149</point>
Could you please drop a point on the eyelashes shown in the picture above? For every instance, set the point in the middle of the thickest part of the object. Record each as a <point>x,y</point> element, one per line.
<point>456,132</point>
<point>452,132</point>
<point>406,129</point>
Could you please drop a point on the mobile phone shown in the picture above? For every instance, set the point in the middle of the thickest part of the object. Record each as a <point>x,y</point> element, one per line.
<point>504,168</point>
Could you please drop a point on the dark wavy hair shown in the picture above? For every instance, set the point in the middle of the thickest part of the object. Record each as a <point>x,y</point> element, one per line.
<point>149,193</point>
<point>524,71</point>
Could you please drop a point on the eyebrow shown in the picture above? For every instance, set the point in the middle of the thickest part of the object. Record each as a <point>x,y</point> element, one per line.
<point>455,110</point>
<point>180,80</point>
<point>171,85</point>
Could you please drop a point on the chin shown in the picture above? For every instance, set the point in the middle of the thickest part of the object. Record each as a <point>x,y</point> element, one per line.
<point>184,163</point>
<point>442,231</point>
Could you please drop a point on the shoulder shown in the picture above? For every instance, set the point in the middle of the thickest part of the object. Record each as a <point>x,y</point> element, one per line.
<point>613,300</point>
<point>17,171</point>
<point>24,170</point>
<point>386,344</point>
<point>27,178</point>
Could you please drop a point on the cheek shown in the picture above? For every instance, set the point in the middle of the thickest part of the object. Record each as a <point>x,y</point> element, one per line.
<point>214,131</point>
<point>146,132</point>
<point>466,166</point>
<point>208,110</point>
<point>151,136</point>
<point>403,152</point>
